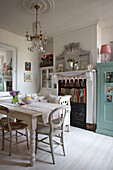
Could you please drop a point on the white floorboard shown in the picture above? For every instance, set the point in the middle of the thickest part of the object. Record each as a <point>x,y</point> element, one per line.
<point>85,150</point>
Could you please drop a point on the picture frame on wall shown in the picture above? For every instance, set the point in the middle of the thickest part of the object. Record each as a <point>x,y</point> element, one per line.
<point>84,64</point>
<point>27,66</point>
<point>84,61</point>
<point>109,98</point>
<point>109,77</point>
<point>27,77</point>
<point>60,67</point>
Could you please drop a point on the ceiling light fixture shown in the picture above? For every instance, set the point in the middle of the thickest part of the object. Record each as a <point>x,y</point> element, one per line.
<point>38,39</point>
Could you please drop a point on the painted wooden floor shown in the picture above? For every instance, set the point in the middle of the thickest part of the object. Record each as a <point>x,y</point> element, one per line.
<point>85,150</point>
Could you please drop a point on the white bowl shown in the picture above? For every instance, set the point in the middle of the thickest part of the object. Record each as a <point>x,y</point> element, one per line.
<point>27,101</point>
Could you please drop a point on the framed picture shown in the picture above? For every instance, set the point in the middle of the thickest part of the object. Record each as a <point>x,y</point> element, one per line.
<point>84,61</point>
<point>109,98</point>
<point>27,77</point>
<point>84,64</point>
<point>109,77</point>
<point>60,67</point>
<point>27,66</point>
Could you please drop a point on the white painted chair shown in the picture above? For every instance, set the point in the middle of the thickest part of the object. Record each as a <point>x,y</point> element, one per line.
<point>54,127</point>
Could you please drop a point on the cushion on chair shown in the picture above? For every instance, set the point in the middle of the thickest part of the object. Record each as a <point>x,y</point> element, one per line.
<point>57,120</point>
<point>3,120</point>
<point>54,99</point>
<point>16,126</point>
<point>45,129</point>
<point>41,98</point>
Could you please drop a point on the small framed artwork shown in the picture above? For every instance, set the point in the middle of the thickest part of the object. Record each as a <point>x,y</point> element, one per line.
<point>27,77</point>
<point>84,64</point>
<point>85,58</point>
<point>27,66</point>
<point>109,98</point>
<point>60,67</point>
<point>109,77</point>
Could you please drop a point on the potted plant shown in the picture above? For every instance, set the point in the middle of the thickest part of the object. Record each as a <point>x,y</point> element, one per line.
<point>71,62</point>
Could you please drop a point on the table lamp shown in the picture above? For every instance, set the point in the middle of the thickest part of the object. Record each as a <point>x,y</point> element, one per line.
<point>105,49</point>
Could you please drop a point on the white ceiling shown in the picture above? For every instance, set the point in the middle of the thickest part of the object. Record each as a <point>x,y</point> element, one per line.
<point>67,15</point>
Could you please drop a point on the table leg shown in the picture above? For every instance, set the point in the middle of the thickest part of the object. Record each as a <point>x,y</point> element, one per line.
<point>32,147</point>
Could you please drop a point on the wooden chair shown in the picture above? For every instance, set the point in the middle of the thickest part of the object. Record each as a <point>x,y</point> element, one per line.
<point>54,127</point>
<point>3,119</point>
<point>11,126</point>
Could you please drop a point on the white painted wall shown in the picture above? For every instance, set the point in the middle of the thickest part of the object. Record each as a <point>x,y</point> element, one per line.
<point>23,55</point>
<point>107,35</point>
<point>8,56</point>
<point>49,48</point>
<point>87,37</point>
<point>107,38</point>
<point>99,42</point>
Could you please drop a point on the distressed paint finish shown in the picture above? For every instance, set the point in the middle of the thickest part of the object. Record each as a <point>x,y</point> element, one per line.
<point>30,117</point>
<point>104,108</point>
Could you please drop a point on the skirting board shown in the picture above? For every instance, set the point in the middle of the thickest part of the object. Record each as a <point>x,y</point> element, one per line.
<point>90,126</point>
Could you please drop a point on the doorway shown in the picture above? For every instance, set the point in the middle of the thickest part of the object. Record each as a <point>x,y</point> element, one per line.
<point>8,69</point>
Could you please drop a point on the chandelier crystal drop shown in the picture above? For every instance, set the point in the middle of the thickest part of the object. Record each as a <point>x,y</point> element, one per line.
<point>38,39</point>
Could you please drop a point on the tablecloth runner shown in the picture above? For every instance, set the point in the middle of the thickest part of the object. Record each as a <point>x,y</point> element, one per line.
<point>44,108</point>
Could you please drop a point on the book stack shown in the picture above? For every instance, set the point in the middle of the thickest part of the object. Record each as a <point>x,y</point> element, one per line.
<point>78,95</point>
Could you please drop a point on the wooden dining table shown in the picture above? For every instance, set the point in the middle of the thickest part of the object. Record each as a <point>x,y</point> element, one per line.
<point>29,113</point>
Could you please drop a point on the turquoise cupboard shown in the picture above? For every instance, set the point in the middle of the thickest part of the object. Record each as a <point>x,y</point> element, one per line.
<point>105,98</point>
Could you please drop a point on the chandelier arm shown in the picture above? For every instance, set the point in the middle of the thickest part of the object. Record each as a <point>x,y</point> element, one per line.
<point>28,39</point>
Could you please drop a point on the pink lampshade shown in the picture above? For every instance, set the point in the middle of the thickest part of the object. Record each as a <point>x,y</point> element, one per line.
<point>105,49</point>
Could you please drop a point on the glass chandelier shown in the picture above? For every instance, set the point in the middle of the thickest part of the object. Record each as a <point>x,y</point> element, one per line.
<point>38,39</point>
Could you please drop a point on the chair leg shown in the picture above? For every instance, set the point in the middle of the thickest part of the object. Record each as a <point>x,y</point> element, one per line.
<point>62,140</point>
<point>16,136</point>
<point>10,143</point>
<point>2,139</point>
<point>27,138</point>
<point>51,146</point>
<point>36,142</point>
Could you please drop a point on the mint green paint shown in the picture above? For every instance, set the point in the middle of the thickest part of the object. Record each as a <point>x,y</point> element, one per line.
<point>104,108</point>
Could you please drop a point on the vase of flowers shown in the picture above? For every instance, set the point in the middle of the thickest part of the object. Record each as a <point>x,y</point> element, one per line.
<point>15,96</point>
<point>71,62</point>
